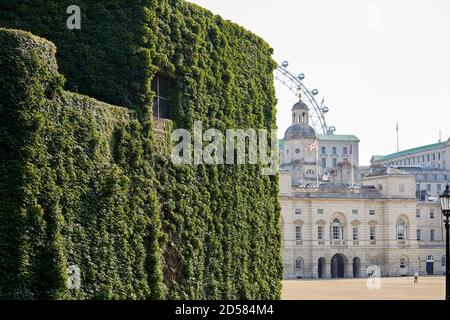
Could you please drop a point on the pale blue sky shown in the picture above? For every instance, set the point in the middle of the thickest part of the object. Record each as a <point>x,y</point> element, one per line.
<point>375,62</point>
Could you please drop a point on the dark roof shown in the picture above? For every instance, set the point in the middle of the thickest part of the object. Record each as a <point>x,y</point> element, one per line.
<point>338,137</point>
<point>300,105</point>
<point>299,130</point>
<point>413,151</point>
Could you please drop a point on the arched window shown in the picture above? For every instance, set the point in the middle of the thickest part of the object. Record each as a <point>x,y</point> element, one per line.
<point>298,264</point>
<point>337,230</point>
<point>402,263</point>
<point>401,230</point>
<point>304,118</point>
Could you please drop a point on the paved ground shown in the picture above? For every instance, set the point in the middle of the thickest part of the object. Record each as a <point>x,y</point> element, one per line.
<point>429,288</point>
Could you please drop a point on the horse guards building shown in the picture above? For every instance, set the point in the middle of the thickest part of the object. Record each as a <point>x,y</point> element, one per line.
<point>340,220</point>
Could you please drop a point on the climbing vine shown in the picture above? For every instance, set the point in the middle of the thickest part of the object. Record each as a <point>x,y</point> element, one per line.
<point>91,184</point>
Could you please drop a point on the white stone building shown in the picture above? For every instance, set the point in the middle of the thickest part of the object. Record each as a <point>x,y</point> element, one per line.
<point>336,229</point>
<point>430,165</point>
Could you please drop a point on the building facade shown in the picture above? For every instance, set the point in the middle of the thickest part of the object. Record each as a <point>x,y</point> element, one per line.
<point>332,229</point>
<point>430,165</point>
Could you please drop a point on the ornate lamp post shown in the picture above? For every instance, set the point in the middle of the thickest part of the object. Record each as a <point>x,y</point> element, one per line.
<point>445,206</point>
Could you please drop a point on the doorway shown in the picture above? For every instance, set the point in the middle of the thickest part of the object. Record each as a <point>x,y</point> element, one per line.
<point>338,266</point>
<point>321,268</point>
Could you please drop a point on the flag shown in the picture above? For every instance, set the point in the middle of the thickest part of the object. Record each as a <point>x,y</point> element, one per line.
<point>313,146</point>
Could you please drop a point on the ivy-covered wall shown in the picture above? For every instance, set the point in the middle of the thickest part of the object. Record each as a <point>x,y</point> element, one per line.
<point>76,186</point>
<point>150,229</point>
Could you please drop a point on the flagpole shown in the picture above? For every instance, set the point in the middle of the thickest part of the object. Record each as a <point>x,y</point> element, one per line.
<point>317,164</point>
<point>398,146</point>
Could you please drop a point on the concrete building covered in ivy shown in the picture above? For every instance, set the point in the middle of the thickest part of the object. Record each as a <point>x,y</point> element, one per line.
<point>89,186</point>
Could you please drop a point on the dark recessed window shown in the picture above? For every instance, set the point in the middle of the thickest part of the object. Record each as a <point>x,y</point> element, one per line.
<point>297,150</point>
<point>161,102</point>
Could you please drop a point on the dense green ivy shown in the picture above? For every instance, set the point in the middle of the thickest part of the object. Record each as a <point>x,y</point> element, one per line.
<point>101,192</point>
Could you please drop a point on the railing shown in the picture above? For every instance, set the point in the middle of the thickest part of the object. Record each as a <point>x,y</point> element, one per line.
<point>338,243</point>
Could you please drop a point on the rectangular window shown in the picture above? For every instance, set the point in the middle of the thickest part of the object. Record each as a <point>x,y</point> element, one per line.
<point>429,187</point>
<point>419,234</point>
<point>298,211</point>
<point>354,211</point>
<point>336,233</point>
<point>432,231</point>
<point>371,212</point>
<point>345,150</point>
<point>417,213</point>
<point>324,150</point>
<point>320,232</point>
<point>161,103</point>
<point>334,162</point>
<point>298,233</point>
<point>324,162</point>
<point>439,188</point>
<point>431,213</point>
<point>319,211</point>
<point>334,150</point>
<point>372,235</point>
<point>445,177</point>
<point>355,233</point>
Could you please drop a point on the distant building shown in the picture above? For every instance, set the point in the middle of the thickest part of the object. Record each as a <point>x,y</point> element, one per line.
<point>430,165</point>
<point>335,229</point>
<point>335,158</point>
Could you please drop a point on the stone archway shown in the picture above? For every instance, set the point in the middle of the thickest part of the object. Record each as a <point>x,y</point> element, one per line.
<point>338,266</point>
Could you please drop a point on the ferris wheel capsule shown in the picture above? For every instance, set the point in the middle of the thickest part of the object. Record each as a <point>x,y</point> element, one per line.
<point>325,109</point>
<point>301,76</point>
<point>332,130</point>
<point>285,64</point>
<point>315,92</point>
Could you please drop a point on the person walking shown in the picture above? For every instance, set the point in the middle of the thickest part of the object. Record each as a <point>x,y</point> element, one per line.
<point>416,277</point>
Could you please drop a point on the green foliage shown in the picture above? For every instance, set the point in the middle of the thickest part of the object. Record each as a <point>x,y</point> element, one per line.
<point>102,191</point>
<point>77,186</point>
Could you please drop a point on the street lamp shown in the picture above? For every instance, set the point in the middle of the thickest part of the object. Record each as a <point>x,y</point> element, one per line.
<point>445,206</point>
